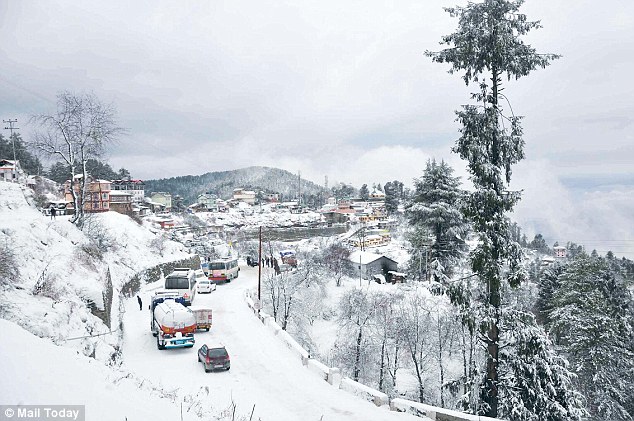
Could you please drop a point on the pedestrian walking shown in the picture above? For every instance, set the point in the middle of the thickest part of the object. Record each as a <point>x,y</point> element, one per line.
<point>138,298</point>
<point>53,212</point>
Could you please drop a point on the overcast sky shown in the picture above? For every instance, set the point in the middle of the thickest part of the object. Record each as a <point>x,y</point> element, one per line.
<point>338,89</point>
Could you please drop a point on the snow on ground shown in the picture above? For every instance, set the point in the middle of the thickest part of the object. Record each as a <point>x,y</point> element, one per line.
<point>55,256</point>
<point>36,372</point>
<point>264,372</point>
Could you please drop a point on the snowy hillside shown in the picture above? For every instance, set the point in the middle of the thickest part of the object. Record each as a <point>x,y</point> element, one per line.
<point>37,372</point>
<point>62,270</point>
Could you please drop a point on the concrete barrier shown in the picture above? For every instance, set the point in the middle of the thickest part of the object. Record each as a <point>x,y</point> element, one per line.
<point>365,392</point>
<point>433,412</point>
<point>334,376</point>
<point>322,370</point>
<point>293,345</point>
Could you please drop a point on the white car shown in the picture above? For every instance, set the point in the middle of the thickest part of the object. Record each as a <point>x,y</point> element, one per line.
<point>205,286</point>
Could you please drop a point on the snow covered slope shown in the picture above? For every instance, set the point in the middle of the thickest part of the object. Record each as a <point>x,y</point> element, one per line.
<point>36,372</point>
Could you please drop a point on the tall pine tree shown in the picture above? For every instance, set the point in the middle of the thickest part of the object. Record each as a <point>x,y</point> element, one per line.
<point>435,208</point>
<point>486,46</point>
<point>591,316</point>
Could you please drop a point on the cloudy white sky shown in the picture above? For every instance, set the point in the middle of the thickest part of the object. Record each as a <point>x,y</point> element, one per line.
<point>339,89</point>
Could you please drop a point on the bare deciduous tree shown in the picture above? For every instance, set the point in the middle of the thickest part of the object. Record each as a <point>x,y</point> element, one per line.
<point>80,129</point>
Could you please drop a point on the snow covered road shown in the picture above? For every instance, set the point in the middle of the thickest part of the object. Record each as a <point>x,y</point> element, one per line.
<point>264,372</point>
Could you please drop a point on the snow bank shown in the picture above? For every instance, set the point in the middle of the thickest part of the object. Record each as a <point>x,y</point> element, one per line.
<point>40,374</point>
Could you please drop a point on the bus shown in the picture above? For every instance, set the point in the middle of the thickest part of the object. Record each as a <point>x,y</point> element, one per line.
<point>183,281</point>
<point>221,270</point>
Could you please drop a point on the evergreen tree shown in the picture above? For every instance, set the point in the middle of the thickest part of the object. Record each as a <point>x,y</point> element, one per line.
<point>391,197</point>
<point>364,193</point>
<point>535,383</point>
<point>486,46</point>
<point>435,208</point>
<point>58,172</point>
<point>539,244</point>
<point>591,317</point>
<point>123,174</point>
<point>30,163</point>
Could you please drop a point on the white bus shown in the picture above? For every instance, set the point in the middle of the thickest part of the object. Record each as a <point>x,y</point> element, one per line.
<point>183,281</point>
<point>221,270</point>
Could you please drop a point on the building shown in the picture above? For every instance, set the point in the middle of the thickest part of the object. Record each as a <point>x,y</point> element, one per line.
<point>121,201</point>
<point>560,251</point>
<point>367,264</point>
<point>164,199</point>
<point>11,171</point>
<point>135,187</point>
<point>207,201</point>
<point>246,196</point>
<point>97,197</point>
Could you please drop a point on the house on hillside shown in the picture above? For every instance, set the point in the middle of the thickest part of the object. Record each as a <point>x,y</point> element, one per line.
<point>207,201</point>
<point>11,171</point>
<point>560,251</point>
<point>246,196</point>
<point>97,197</point>
<point>367,264</point>
<point>376,196</point>
<point>135,187</point>
<point>162,198</point>
<point>121,201</point>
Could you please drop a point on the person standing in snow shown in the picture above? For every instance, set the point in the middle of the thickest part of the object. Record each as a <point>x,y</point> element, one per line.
<point>53,212</point>
<point>138,298</point>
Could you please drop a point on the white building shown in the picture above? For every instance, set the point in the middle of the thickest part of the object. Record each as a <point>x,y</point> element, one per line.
<point>246,196</point>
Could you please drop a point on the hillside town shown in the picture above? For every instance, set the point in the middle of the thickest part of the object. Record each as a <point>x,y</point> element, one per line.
<point>316,211</point>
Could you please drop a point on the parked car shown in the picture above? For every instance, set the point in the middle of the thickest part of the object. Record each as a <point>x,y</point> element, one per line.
<point>205,286</point>
<point>214,357</point>
<point>252,261</point>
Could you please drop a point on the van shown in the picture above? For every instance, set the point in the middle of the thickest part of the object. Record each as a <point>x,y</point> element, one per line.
<point>183,281</point>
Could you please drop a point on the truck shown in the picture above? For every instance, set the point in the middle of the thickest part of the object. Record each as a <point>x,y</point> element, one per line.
<point>172,323</point>
<point>203,317</point>
<point>288,257</point>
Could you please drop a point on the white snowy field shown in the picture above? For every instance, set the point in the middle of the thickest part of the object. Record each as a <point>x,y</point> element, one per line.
<point>264,372</point>
<point>37,372</point>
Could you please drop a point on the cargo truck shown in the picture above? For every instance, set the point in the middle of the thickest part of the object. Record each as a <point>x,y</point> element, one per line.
<point>172,323</point>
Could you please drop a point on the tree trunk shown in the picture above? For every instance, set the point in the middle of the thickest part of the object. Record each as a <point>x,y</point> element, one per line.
<point>382,368</point>
<point>440,366</point>
<point>357,360</point>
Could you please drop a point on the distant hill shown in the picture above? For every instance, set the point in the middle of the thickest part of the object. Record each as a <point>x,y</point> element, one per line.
<point>222,183</point>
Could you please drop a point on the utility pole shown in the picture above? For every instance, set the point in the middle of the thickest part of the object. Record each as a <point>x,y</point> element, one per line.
<point>260,272</point>
<point>11,128</point>
<point>299,189</point>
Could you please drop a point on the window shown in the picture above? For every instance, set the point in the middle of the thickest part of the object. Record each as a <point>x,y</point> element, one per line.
<point>176,282</point>
<point>217,352</point>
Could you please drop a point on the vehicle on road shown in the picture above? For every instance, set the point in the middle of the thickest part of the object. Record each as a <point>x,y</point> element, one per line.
<point>252,261</point>
<point>221,270</point>
<point>171,323</point>
<point>288,257</point>
<point>183,281</point>
<point>214,357</point>
<point>205,286</point>
<point>203,317</point>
